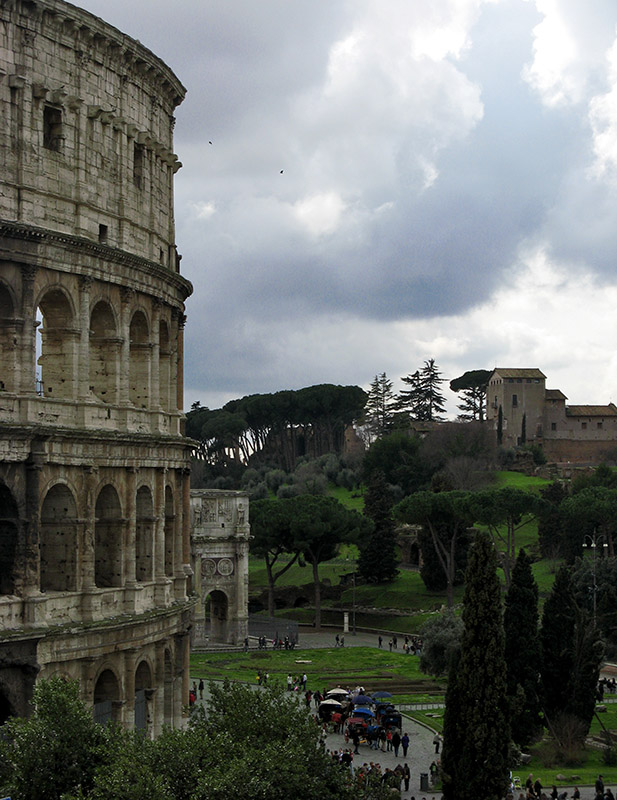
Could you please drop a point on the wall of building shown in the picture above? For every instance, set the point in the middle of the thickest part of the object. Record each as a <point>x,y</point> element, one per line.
<point>94,509</point>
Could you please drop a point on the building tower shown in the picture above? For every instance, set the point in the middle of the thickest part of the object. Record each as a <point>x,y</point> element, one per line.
<point>94,492</point>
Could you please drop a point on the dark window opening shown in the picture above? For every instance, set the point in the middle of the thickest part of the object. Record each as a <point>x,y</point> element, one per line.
<point>553,426</point>
<point>599,424</point>
<point>139,154</point>
<point>514,400</point>
<point>584,426</point>
<point>103,233</point>
<point>52,128</point>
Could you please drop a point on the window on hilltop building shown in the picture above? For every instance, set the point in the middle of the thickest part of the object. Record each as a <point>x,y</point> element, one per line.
<point>584,426</point>
<point>599,425</point>
<point>514,400</point>
<point>52,128</point>
<point>553,426</point>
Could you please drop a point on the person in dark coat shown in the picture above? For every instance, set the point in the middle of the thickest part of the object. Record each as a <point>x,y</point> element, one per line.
<point>406,776</point>
<point>396,742</point>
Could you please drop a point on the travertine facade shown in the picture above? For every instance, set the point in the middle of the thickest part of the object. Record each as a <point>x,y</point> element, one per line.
<point>94,493</point>
<point>220,558</point>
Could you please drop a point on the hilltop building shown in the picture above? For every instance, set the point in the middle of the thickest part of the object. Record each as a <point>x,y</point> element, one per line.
<point>540,416</point>
<point>94,469</point>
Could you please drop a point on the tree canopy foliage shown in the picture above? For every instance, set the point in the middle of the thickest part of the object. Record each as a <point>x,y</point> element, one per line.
<point>249,745</point>
<point>377,561</point>
<point>276,428</point>
<point>423,400</point>
<point>472,385</point>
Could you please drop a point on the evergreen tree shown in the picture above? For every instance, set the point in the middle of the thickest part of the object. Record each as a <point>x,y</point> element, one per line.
<point>423,400</point>
<point>476,725</point>
<point>472,385</point>
<point>524,429</point>
<point>557,641</point>
<point>550,520</point>
<point>377,561</point>
<point>523,652</point>
<point>500,426</point>
<point>572,652</point>
<point>380,408</point>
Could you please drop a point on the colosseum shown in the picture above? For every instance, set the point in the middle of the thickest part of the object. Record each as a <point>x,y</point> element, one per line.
<point>94,489</point>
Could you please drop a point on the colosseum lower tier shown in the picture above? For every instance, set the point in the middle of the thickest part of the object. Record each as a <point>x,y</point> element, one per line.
<point>94,483</point>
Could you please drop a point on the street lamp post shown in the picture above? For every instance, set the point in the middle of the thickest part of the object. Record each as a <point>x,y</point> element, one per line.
<point>594,540</point>
<point>353,615</point>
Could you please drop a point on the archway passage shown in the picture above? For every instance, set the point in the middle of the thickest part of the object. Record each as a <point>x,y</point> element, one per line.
<point>139,361</point>
<point>144,536</point>
<point>8,540</point>
<point>108,539</point>
<point>103,361</point>
<point>170,523</point>
<point>217,611</point>
<point>58,342</point>
<point>6,709</point>
<point>106,697</point>
<point>143,682</point>
<point>8,339</point>
<point>58,541</point>
<point>168,688</point>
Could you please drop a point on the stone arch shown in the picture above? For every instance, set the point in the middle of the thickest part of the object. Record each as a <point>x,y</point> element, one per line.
<point>9,528</point>
<point>6,707</point>
<point>168,689</point>
<point>58,540</point>
<point>217,615</point>
<point>106,698</point>
<point>104,353</point>
<point>58,344</point>
<point>143,684</point>
<point>139,360</point>
<point>144,535</point>
<point>170,524</point>
<point>7,339</point>
<point>108,539</point>
<point>164,366</point>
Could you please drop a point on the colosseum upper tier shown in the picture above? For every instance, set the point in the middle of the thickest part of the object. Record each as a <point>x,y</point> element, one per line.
<point>94,491</point>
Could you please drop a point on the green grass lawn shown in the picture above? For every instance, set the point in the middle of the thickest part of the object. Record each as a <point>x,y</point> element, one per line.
<point>328,667</point>
<point>350,499</point>
<point>519,481</point>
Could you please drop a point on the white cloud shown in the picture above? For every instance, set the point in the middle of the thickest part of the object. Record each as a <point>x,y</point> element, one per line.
<point>320,213</point>
<point>603,118</point>
<point>203,209</point>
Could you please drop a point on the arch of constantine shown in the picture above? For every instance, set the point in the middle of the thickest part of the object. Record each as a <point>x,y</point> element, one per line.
<point>220,551</point>
<point>94,492</point>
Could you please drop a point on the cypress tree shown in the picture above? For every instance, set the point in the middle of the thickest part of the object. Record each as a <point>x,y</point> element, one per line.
<point>500,426</point>
<point>377,561</point>
<point>523,652</point>
<point>557,641</point>
<point>475,758</point>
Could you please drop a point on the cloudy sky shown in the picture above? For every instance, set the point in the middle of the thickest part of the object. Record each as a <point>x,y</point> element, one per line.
<point>391,181</point>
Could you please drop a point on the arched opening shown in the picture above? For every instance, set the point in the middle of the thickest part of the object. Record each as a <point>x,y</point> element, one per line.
<point>58,541</point>
<point>164,366</point>
<point>8,540</point>
<point>143,692</point>
<point>139,363</point>
<point>170,522</point>
<point>144,536</point>
<point>7,340</point>
<point>216,615</point>
<point>104,352</point>
<point>108,539</point>
<point>106,698</point>
<point>6,709</point>
<point>168,689</point>
<point>58,346</point>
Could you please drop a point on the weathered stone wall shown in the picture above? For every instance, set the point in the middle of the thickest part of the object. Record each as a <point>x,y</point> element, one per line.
<point>94,505</point>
